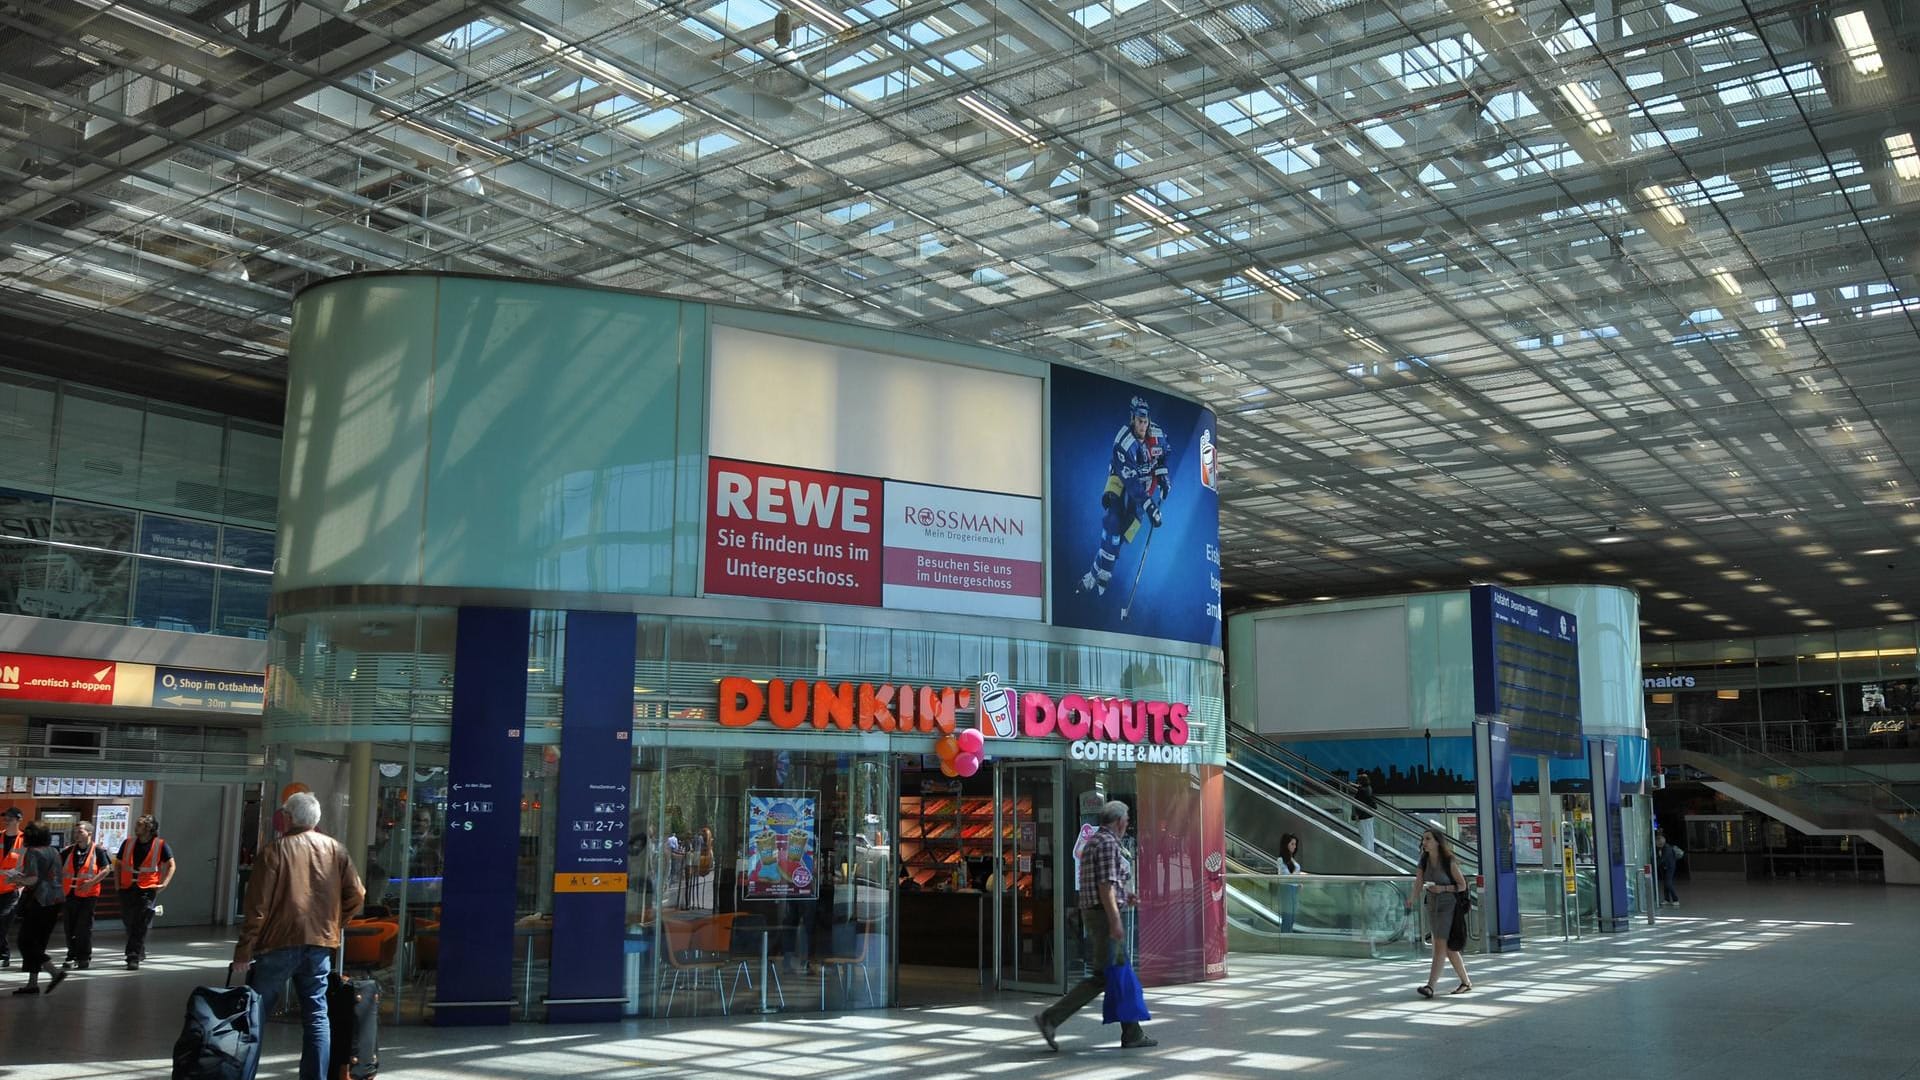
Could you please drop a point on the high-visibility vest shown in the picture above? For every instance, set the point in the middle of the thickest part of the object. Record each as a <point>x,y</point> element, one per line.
<point>12,848</point>
<point>149,868</point>
<point>83,865</point>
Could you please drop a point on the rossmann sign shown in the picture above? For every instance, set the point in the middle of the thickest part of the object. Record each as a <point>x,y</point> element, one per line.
<point>1099,728</point>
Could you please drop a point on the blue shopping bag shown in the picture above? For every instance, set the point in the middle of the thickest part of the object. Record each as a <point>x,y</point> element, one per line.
<point>1124,1001</point>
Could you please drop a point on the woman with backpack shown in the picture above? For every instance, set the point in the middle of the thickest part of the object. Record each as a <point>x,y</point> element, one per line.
<point>1445,888</point>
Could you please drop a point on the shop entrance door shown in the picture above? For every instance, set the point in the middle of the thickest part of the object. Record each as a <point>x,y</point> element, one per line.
<point>1028,887</point>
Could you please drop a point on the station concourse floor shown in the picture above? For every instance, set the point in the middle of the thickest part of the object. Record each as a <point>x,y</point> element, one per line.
<point>1764,980</point>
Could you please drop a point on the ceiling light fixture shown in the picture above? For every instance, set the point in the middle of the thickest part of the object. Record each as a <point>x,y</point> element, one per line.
<point>825,15</point>
<point>1772,337</point>
<point>1363,339</point>
<point>1879,551</point>
<point>1583,106</point>
<point>1613,538</point>
<point>1154,214</point>
<point>155,26</point>
<point>1905,157</point>
<point>1663,204</point>
<point>1502,9</point>
<point>999,119</point>
<point>1857,35</point>
<point>1725,279</point>
<point>1268,282</point>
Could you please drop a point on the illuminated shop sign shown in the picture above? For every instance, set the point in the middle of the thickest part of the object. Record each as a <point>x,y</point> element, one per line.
<point>1668,682</point>
<point>1100,728</point>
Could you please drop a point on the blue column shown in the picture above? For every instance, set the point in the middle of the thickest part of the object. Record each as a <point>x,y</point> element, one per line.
<point>590,853</point>
<point>482,844</point>
<point>1609,838</point>
<point>1493,803</point>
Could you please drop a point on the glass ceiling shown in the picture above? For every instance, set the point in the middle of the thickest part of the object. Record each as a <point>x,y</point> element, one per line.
<point>1506,289</point>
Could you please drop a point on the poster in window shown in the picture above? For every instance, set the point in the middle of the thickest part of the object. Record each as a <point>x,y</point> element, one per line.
<point>250,549</point>
<point>173,594</point>
<point>58,558</point>
<point>244,600</point>
<point>781,829</point>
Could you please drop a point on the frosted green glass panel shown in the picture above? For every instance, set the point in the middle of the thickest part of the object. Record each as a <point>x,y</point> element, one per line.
<point>354,471</point>
<point>552,463</point>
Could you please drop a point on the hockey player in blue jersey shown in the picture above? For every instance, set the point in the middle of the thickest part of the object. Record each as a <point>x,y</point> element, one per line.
<point>1136,488</point>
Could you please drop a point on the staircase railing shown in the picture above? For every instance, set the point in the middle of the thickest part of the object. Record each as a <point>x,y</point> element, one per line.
<point>1821,783</point>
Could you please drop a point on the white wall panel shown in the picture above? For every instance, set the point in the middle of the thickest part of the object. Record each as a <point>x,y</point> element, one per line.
<point>840,409</point>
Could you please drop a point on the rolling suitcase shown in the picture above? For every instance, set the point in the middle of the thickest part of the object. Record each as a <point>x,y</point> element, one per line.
<point>353,1014</point>
<point>221,1037</point>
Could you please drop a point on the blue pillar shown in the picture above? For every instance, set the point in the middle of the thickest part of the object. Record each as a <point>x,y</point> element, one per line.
<point>1493,803</point>
<point>482,844</point>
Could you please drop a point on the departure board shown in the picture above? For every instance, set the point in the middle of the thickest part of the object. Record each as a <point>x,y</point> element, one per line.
<point>1526,671</point>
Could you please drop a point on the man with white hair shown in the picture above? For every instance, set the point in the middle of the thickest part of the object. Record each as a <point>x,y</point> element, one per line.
<point>1106,887</point>
<point>302,892</point>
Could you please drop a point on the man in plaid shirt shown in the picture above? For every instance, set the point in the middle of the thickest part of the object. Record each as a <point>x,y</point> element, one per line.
<point>1105,888</point>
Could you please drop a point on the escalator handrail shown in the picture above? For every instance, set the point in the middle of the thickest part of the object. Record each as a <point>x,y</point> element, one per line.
<point>1324,779</point>
<point>1334,823</point>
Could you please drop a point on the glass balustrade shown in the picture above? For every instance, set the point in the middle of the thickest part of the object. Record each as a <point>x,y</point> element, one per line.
<point>1275,913</point>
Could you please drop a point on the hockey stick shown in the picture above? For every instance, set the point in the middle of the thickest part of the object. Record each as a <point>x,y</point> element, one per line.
<point>1141,565</point>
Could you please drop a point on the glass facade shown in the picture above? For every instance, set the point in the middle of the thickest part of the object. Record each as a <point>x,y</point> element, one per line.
<point>129,511</point>
<point>1830,691</point>
<point>359,710</point>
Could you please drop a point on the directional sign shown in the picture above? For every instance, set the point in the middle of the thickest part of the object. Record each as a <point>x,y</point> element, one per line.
<point>208,691</point>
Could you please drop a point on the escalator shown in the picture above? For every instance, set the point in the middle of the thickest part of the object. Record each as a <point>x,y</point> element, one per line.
<point>1272,790</point>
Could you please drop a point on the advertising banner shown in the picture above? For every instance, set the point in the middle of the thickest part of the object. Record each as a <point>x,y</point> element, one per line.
<point>478,896</point>
<point>1136,519</point>
<point>1181,868</point>
<point>971,552</point>
<point>781,828</point>
<point>590,854</point>
<point>25,677</point>
<point>1609,836</point>
<point>792,534</point>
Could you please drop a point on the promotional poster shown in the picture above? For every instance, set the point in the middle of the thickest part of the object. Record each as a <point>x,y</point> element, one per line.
<point>780,843</point>
<point>1136,518</point>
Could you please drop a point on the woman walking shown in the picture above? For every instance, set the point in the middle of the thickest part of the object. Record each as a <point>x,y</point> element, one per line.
<point>40,901</point>
<point>1445,888</point>
<point>1289,866</point>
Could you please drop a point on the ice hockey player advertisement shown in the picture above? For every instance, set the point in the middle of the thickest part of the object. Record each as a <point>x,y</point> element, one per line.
<point>1136,519</point>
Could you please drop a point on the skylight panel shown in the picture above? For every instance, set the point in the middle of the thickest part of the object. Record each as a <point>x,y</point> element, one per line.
<point>1383,134</point>
<point>740,14</point>
<point>1511,106</point>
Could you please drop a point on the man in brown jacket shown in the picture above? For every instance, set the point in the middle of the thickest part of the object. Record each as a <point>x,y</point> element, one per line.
<point>302,891</point>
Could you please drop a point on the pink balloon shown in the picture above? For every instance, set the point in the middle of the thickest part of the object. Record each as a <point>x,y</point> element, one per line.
<point>971,742</point>
<point>966,764</point>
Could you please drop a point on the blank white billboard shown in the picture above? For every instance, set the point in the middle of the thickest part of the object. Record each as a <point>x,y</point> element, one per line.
<point>1333,671</point>
<point>835,408</point>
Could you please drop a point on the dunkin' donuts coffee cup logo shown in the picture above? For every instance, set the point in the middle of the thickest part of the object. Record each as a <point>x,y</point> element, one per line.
<point>1209,463</point>
<point>996,708</point>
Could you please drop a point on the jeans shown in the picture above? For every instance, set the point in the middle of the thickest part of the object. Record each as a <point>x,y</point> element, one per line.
<point>309,966</point>
<point>1289,907</point>
<point>1366,833</point>
<point>1101,950</point>
<point>36,930</point>
<point>1666,887</point>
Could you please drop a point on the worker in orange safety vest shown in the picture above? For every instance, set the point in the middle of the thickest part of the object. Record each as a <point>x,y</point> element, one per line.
<point>12,847</point>
<point>86,865</point>
<point>146,868</point>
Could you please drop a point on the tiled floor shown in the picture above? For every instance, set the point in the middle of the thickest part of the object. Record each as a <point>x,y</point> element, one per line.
<point>1772,982</point>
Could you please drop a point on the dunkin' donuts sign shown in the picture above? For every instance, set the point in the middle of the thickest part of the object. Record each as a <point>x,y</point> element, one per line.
<point>1099,728</point>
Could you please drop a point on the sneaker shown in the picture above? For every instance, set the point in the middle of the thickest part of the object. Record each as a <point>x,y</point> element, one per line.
<point>1140,1043</point>
<point>1087,582</point>
<point>58,978</point>
<point>29,989</point>
<point>133,965</point>
<point>1046,1030</point>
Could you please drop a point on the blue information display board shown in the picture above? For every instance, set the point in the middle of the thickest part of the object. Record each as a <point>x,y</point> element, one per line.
<point>482,843</point>
<point>588,980</point>
<point>1526,671</point>
<point>208,691</point>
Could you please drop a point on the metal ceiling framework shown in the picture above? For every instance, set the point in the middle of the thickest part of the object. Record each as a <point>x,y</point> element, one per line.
<point>1511,290</point>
